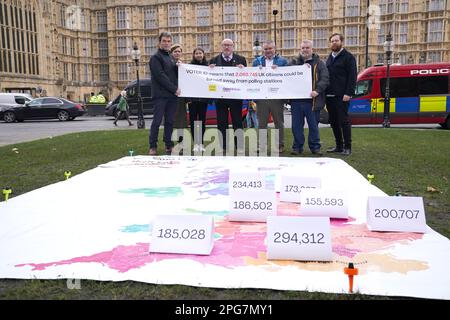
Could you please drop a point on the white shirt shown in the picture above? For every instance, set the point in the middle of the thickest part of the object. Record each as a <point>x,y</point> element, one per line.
<point>334,54</point>
<point>269,63</point>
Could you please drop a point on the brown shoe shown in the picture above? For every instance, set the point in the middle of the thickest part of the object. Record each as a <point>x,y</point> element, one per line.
<point>152,152</point>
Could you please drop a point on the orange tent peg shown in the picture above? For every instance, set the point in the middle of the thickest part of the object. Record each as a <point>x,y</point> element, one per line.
<point>350,271</point>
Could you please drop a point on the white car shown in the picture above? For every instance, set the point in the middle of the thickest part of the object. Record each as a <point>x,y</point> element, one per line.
<point>9,100</point>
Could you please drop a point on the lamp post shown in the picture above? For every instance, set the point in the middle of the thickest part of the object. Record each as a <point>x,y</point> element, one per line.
<point>388,48</point>
<point>367,34</point>
<point>257,48</point>
<point>275,12</point>
<point>136,56</point>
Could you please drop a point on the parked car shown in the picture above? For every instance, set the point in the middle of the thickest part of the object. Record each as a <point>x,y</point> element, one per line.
<point>9,100</point>
<point>111,108</point>
<point>44,108</point>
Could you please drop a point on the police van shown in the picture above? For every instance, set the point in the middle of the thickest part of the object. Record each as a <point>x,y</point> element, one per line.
<point>419,93</point>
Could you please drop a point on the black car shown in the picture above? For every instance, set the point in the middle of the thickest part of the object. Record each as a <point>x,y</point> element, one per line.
<point>132,99</point>
<point>44,108</point>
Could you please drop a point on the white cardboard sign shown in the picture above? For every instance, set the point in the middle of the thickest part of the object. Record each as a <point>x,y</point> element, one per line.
<point>185,234</point>
<point>405,214</point>
<point>292,186</point>
<point>244,181</point>
<point>324,203</point>
<point>252,205</point>
<point>299,238</point>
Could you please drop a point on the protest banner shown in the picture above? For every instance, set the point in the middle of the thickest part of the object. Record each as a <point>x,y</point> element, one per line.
<point>245,83</point>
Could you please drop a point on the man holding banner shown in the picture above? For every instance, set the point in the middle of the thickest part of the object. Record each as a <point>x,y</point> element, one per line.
<point>228,59</point>
<point>273,106</point>
<point>310,107</point>
<point>164,93</point>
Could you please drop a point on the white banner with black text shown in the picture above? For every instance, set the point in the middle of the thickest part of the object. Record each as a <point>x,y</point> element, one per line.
<point>293,82</point>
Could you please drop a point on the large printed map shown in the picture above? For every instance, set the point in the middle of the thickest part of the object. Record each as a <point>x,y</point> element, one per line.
<point>97,225</point>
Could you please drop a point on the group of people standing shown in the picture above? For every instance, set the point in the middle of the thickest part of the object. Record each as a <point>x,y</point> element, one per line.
<point>333,84</point>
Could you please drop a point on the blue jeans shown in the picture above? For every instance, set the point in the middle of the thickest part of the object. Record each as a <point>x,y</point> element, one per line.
<point>163,107</point>
<point>301,109</point>
<point>251,117</point>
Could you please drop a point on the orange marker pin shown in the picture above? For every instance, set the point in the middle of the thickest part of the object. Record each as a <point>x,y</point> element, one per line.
<point>350,271</point>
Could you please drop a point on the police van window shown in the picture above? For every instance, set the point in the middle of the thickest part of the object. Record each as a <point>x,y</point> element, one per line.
<point>363,87</point>
<point>433,85</point>
<point>414,87</point>
<point>400,87</point>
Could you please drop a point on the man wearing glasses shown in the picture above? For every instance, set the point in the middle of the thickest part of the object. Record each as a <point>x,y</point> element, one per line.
<point>228,59</point>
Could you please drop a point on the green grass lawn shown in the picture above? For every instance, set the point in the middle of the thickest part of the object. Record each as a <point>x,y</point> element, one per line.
<point>402,160</point>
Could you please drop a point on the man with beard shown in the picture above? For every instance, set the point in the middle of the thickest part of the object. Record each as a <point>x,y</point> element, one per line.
<point>341,66</point>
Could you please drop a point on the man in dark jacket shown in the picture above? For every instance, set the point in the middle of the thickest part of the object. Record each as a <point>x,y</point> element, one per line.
<point>164,73</point>
<point>341,66</point>
<point>228,59</point>
<point>309,108</point>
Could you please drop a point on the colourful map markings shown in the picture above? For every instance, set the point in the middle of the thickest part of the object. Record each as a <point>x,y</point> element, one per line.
<point>243,244</point>
<point>219,213</point>
<point>136,228</point>
<point>211,182</point>
<point>164,192</point>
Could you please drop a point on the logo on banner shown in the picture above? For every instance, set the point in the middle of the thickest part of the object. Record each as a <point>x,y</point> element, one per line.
<point>212,87</point>
<point>225,89</point>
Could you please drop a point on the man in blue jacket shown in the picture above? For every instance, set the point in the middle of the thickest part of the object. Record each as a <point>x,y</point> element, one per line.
<point>341,66</point>
<point>273,106</point>
<point>164,73</point>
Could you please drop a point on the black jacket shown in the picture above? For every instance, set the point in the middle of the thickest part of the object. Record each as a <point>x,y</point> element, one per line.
<point>220,61</point>
<point>320,78</point>
<point>164,73</point>
<point>342,71</point>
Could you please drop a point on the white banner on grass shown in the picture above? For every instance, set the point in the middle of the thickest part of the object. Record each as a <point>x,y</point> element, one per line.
<point>245,83</point>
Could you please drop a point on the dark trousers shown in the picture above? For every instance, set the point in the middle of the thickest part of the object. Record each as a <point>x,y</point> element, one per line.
<point>340,122</point>
<point>222,107</point>
<point>197,112</point>
<point>125,114</point>
<point>163,107</point>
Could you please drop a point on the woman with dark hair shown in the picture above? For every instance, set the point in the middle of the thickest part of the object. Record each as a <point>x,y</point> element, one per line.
<point>180,121</point>
<point>198,106</point>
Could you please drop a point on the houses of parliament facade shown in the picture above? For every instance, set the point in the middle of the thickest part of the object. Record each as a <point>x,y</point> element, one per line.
<point>71,48</point>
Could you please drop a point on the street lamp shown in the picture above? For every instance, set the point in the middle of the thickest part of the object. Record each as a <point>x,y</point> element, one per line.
<point>257,48</point>
<point>136,56</point>
<point>275,12</point>
<point>388,48</point>
<point>367,34</point>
